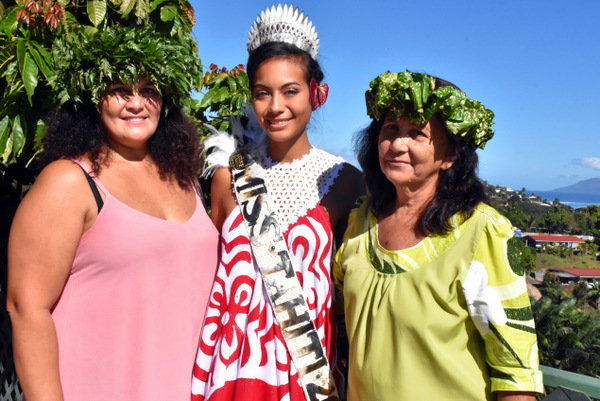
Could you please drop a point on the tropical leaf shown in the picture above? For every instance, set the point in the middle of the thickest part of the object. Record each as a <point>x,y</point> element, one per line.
<point>177,29</point>
<point>11,104</point>
<point>216,79</point>
<point>186,18</point>
<point>4,132</point>
<point>19,132</point>
<point>9,22</point>
<point>40,132</point>
<point>231,81</point>
<point>13,81</point>
<point>5,157</point>
<point>141,10</point>
<point>167,14</point>
<point>30,73</point>
<point>7,55</point>
<point>42,57</point>
<point>96,11</point>
<point>127,6</point>
<point>21,51</point>
<point>179,13</point>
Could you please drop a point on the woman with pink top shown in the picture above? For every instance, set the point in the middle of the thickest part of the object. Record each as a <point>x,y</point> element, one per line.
<point>111,253</point>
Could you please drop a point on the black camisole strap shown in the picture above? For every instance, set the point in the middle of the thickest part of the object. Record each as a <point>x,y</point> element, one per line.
<point>94,188</point>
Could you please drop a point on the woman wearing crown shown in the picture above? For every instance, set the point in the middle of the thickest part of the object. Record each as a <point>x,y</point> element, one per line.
<point>434,310</point>
<point>270,336</point>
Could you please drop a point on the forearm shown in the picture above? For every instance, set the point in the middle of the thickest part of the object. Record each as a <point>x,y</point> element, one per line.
<point>36,355</point>
<point>515,396</point>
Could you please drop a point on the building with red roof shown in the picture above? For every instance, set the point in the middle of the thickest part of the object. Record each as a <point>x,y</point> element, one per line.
<point>537,240</point>
<point>574,275</point>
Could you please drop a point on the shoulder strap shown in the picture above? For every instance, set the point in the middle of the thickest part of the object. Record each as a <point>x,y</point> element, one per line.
<point>280,281</point>
<point>94,188</point>
<point>200,193</point>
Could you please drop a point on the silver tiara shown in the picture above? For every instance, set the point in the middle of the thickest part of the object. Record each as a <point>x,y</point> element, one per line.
<point>284,24</point>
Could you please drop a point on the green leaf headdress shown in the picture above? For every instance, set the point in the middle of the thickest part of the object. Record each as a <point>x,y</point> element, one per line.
<point>414,96</point>
<point>87,63</point>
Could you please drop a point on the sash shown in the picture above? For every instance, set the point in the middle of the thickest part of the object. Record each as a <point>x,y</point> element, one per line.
<point>280,281</point>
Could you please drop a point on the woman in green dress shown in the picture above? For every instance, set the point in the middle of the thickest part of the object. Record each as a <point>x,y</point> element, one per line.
<point>434,310</point>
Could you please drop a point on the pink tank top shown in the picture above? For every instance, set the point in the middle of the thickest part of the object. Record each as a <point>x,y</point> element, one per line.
<point>129,318</point>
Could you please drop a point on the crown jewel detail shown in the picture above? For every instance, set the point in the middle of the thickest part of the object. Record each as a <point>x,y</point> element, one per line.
<point>284,24</point>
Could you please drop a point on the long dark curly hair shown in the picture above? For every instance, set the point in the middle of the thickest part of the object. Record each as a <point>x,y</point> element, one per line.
<point>458,190</point>
<point>75,131</point>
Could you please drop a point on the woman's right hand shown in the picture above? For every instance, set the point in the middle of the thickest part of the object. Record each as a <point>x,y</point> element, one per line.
<point>44,236</point>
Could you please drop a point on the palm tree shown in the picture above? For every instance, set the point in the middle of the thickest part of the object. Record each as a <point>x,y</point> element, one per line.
<point>568,338</point>
<point>586,294</point>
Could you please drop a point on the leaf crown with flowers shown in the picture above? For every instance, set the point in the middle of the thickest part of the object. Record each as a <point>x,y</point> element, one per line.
<point>415,97</point>
<point>87,63</point>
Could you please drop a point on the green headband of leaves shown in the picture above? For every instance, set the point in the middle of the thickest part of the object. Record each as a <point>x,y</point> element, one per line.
<point>87,63</point>
<point>414,96</point>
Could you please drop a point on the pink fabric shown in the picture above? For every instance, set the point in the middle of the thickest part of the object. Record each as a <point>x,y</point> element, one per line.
<point>242,354</point>
<point>129,318</point>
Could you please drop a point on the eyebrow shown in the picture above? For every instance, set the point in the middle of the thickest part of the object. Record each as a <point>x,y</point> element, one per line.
<point>282,86</point>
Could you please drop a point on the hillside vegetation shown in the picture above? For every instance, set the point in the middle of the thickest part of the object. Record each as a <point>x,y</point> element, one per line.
<point>531,213</point>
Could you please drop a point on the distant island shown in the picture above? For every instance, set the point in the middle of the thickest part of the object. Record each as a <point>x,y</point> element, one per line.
<point>591,186</point>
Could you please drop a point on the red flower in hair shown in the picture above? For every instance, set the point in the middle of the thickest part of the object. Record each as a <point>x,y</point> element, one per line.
<point>318,94</point>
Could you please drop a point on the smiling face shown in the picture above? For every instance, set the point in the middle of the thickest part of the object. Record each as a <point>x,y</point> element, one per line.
<point>413,157</point>
<point>281,99</point>
<point>130,115</point>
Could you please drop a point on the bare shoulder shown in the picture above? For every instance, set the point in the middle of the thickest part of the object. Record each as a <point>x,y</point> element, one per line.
<point>222,200</point>
<point>348,187</point>
<point>341,198</point>
<point>58,178</point>
<point>46,231</point>
<point>350,175</point>
<point>60,187</point>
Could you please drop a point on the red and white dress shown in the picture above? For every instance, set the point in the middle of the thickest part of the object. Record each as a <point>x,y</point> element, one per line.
<point>242,354</point>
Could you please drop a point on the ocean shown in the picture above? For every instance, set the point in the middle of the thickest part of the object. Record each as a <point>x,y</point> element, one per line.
<point>574,199</point>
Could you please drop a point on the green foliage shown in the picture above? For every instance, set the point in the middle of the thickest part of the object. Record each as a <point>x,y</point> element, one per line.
<point>556,220</point>
<point>551,288</point>
<point>24,64</point>
<point>89,63</point>
<point>568,338</point>
<point>529,214</point>
<point>413,96</point>
<point>589,221</point>
<point>586,294</point>
<point>588,248</point>
<point>560,250</point>
<point>516,215</point>
<point>28,31</point>
<point>226,93</point>
<point>520,257</point>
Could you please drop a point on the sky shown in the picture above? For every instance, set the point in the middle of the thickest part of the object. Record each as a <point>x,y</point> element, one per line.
<point>534,63</point>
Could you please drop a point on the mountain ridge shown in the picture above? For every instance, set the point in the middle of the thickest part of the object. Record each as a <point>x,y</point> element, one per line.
<point>589,186</point>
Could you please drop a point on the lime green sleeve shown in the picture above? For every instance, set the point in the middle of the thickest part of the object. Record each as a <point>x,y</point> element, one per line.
<point>501,310</point>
